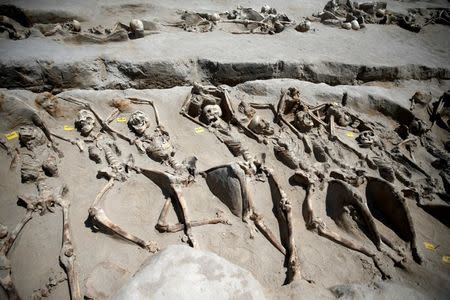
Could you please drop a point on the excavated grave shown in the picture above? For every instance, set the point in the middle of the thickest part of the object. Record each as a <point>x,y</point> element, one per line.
<point>174,57</point>
<point>379,68</point>
<point>137,211</point>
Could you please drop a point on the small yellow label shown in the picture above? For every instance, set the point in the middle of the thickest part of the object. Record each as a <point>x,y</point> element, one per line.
<point>68,128</point>
<point>335,103</point>
<point>429,246</point>
<point>199,129</point>
<point>11,135</point>
<point>446,259</point>
<point>349,134</point>
<point>121,119</point>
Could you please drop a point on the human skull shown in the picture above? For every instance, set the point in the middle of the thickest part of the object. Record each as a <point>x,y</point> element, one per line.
<point>303,26</point>
<point>246,109</point>
<point>137,28</point>
<point>341,117</point>
<point>30,136</point>
<point>303,121</point>
<point>215,17</point>
<point>355,25</point>
<point>294,93</point>
<point>265,8</point>
<point>260,126</point>
<point>85,121</point>
<point>73,25</point>
<point>138,122</point>
<point>212,113</point>
<point>48,102</point>
<point>347,25</point>
<point>366,139</point>
<point>418,127</point>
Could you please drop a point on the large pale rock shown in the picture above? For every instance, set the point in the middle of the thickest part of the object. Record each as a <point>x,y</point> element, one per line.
<point>181,272</point>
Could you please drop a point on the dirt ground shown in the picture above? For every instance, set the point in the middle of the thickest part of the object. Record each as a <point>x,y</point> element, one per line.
<point>416,62</point>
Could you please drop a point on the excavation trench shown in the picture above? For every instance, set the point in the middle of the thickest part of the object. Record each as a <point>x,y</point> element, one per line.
<point>100,73</point>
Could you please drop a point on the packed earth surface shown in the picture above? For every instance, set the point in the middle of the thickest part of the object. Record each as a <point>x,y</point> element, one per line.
<point>204,149</point>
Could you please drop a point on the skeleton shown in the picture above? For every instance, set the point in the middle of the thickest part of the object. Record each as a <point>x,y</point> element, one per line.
<point>70,27</point>
<point>38,160</point>
<point>17,112</point>
<point>35,155</point>
<point>14,29</point>
<point>158,146</point>
<point>197,22</point>
<point>241,203</point>
<point>419,99</point>
<point>46,200</point>
<point>119,32</point>
<point>267,21</point>
<point>135,29</point>
<point>360,214</point>
<point>290,155</point>
<point>17,32</point>
<point>255,124</point>
<point>49,103</point>
<point>86,123</point>
<point>211,108</point>
<point>173,185</point>
<point>304,120</point>
<point>71,30</point>
<point>355,15</point>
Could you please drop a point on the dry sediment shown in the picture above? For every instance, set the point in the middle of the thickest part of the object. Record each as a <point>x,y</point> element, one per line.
<point>395,203</point>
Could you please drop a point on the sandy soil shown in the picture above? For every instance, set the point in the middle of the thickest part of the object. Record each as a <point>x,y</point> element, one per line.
<point>98,73</point>
<point>137,211</point>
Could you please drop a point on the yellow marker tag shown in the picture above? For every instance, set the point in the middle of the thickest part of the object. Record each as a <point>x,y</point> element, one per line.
<point>349,134</point>
<point>335,103</point>
<point>121,120</point>
<point>11,135</point>
<point>68,128</point>
<point>199,129</point>
<point>446,259</point>
<point>429,246</point>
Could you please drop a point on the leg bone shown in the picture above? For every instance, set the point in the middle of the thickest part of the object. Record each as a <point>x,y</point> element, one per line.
<point>98,215</point>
